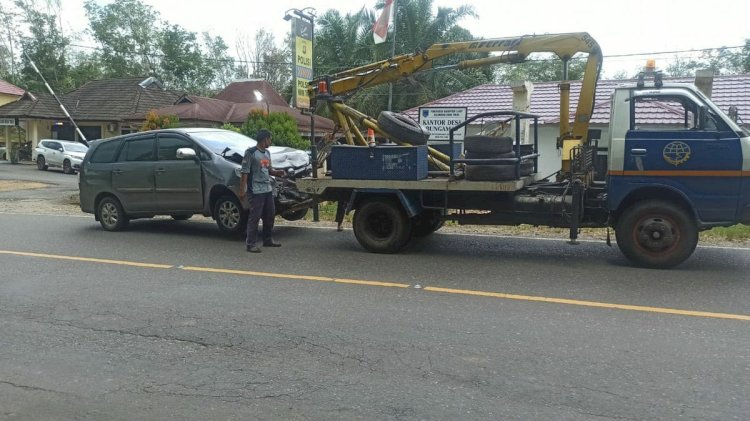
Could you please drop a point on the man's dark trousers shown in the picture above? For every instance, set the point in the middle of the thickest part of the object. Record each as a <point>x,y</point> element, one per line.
<point>261,207</point>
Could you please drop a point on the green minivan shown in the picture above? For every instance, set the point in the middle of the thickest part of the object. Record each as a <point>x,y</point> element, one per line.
<point>181,172</point>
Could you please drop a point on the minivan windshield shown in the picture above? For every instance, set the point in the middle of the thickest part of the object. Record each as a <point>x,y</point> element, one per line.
<point>218,140</point>
<point>75,147</point>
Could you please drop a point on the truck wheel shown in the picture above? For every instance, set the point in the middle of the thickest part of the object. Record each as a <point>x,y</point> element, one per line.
<point>111,215</point>
<point>426,223</point>
<point>656,234</point>
<point>294,216</point>
<point>381,226</point>
<point>403,128</point>
<point>229,215</point>
<point>488,144</point>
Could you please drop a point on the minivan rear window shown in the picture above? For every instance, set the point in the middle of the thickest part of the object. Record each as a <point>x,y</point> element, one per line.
<point>106,152</point>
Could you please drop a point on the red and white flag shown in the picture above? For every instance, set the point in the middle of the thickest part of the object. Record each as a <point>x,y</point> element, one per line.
<point>380,30</point>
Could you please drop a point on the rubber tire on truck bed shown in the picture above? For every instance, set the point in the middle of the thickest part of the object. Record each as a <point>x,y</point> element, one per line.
<point>527,167</point>
<point>403,128</point>
<point>488,144</point>
<point>486,155</point>
<point>490,172</point>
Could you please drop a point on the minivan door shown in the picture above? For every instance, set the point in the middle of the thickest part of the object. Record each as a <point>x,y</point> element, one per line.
<point>179,185</point>
<point>133,174</point>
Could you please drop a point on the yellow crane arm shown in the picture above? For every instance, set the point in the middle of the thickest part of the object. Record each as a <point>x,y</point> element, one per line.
<point>512,49</point>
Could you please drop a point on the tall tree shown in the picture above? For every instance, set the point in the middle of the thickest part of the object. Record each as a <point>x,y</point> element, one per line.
<point>128,33</point>
<point>46,46</point>
<point>540,68</point>
<point>181,65</point>
<point>343,42</point>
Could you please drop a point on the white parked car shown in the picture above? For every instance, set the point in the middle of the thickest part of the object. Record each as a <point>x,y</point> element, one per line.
<point>60,154</point>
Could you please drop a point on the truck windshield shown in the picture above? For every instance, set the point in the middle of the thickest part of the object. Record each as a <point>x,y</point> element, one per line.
<point>734,126</point>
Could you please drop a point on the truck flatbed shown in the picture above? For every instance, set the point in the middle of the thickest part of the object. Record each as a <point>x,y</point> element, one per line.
<point>318,185</point>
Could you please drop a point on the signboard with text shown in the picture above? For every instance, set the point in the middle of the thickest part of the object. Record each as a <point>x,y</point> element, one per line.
<point>439,121</point>
<point>303,56</point>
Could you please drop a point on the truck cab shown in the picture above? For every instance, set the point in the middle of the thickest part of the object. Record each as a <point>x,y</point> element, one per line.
<point>666,184</point>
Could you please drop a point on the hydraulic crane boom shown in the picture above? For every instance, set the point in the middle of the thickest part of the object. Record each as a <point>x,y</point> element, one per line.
<point>513,50</point>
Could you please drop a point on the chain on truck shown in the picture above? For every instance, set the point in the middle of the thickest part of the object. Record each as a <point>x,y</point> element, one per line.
<point>663,185</point>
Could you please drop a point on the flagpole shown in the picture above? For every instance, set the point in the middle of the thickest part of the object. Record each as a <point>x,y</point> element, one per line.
<point>393,53</point>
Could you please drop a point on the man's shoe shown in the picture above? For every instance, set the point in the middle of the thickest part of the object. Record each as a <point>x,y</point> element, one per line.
<point>253,249</point>
<point>271,244</point>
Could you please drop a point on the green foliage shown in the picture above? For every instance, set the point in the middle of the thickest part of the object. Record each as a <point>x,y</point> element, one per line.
<point>283,127</point>
<point>720,60</point>
<point>540,68</point>
<point>231,127</point>
<point>155,121</point>
<point>345,41</point>
<point>737,232</point>
<point>46,47</point>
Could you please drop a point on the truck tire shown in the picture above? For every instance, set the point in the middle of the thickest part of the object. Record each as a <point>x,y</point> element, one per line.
<point>426,223</point>
<point>230,216</point>
<point>527,167</point>
<point>488,144</point>
<point>381,226</point>
<point>656,234</point>
<point>490,172</point>
<point>403,128</point>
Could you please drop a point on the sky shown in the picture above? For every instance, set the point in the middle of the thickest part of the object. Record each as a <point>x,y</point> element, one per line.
<point>621,28</point>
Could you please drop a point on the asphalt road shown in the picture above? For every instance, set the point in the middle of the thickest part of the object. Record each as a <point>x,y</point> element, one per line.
<point>171,320</point>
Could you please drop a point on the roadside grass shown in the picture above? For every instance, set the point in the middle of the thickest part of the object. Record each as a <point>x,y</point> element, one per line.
<point>735,233</point>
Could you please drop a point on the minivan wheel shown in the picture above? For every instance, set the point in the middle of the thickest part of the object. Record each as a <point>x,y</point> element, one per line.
<point>41,163</point>
<point>111,215</point>
<point>229,215</point>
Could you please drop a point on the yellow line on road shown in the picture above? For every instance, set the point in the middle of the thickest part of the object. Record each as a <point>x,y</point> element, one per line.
<point>590,303</point>
<point>566,301</point>
<point>87,259</point>
<point>298,277</point>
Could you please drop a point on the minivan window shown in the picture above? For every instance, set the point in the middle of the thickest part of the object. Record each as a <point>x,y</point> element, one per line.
<point>168,145</point>
<point>138,150</point>
<point>106,152</point>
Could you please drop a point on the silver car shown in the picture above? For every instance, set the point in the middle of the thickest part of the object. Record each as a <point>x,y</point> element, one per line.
<point>59,154</point>
<point>181,172</point>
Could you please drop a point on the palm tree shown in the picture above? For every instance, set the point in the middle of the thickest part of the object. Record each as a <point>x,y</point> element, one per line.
<point>344,42</point>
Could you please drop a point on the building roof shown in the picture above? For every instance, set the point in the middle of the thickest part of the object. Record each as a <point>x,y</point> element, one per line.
<point>545,99</point>
<point>212,110</point>
<point>106,100</point>
<point>10,89</point>
<point>243,91</point>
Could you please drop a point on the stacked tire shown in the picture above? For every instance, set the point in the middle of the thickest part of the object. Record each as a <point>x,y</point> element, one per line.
<point>489,147</point>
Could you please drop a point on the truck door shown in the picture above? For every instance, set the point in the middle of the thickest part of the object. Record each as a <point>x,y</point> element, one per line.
<point>179,184</point>
<point>674,139</point>
<point>133,174</point>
